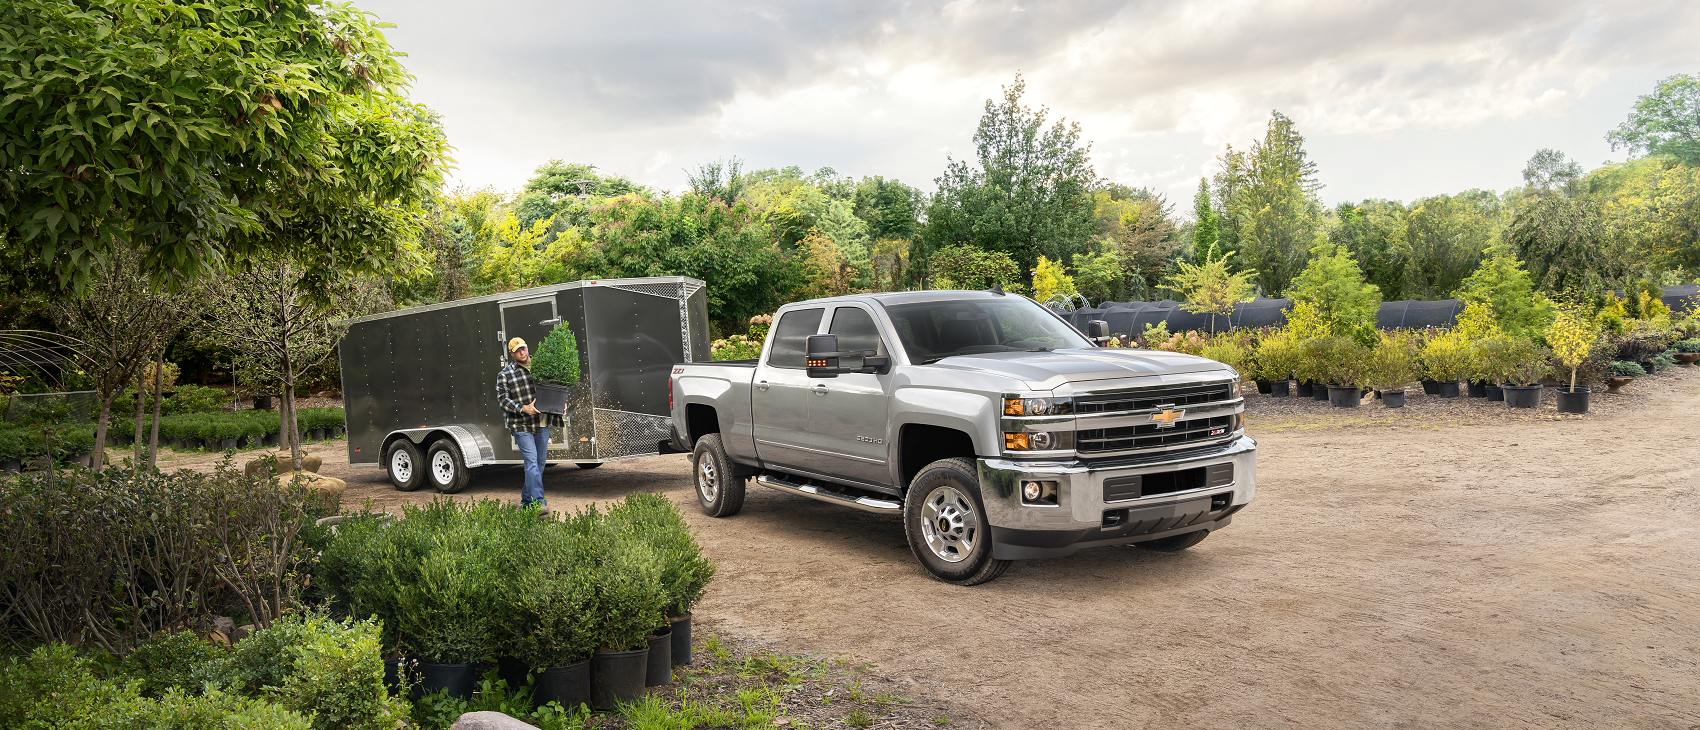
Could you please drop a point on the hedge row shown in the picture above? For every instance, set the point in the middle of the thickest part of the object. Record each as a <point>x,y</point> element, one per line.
<point>26,442</point>
<point>19,442</point>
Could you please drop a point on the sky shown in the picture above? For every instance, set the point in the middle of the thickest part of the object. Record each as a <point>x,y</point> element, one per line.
<point>1397,100</point>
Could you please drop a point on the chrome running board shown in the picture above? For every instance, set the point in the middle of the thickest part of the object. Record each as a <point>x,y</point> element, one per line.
<point>866,504</point>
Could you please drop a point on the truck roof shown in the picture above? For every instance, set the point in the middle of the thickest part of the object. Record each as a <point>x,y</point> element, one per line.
<point>908,297</point>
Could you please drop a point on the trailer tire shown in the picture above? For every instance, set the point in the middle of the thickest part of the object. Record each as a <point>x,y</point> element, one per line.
<point>404,466</point>
<point>445,468</point>
<point>719,490</point>
<point>945,522</point>
<point>589,464</point>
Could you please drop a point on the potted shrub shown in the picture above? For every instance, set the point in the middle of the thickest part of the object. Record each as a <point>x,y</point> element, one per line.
<point>1621,373</point>
<point>1446,359</point>
<point>1277,357</point>
<point>1686,351</point>
<point>1314,367</point>
<point>550,607</point>
<point>1524,364</point>
<point>555,366</point>
<point>445,616</point>
<point>629,604</point>
<point>1344,363</point>
<point>1572,335</point>
<point>685,573</point>
<point>1392,364</point>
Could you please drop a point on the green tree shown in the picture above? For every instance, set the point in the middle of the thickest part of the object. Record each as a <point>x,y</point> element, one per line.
<point>1665,122</point>
<point>1270,212</point>
<point>196,133</point>
<point>1210,288</point>
<point>1551,171</point>
<point>888,207</point>
<point>1502,283</point>
<point>719,180</point>
<point>1444,239</point>
<point>1099,276</point>
<point>1374,232</point>
<point>1204,231</point>
<point>1029,193</point>
<point>966,267</point>
<point>1137,224</point>
<point>1563,240</point>
<point>1653,206</point>
<point>1333,283</point>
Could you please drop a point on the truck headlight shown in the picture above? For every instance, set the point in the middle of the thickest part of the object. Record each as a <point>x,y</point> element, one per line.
<point>1234,391</point>
<point>1039,441</point>
<point>1037,406</point>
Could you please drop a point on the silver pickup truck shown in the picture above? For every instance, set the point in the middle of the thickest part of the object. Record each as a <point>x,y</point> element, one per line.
<point>995,429</point>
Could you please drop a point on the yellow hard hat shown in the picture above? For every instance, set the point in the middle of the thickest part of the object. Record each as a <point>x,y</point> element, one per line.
<point>515,344</point>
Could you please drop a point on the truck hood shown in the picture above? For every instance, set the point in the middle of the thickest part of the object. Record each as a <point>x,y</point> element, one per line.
<point>1045,370</point>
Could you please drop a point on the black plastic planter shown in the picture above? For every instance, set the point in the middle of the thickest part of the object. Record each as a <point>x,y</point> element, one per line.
<point>458,679</point>
<point>1280,389</point>
<point>682,640</point>
<point>1345,396</point>
<point>552,398</point>
<point>1449,390</point>
<point>262,402</point>
<point>1431,387</point>
<point>617,676</point>
<point>1263,387</point>
<point>1523,396</point>
<point>512,671</point>
<point>1393,398</point>
<point>1478,389</point>
<point>568,685</point>
<point>1495,393</point>
<point>1305,389</point>
<point>1319,391</point>
<point>660,669</point>
<point>1573,401</point>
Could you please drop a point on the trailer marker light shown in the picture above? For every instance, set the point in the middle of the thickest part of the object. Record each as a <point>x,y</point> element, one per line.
<point>583,440</point>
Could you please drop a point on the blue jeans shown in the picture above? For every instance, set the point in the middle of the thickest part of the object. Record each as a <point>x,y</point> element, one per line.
<point>535,448</point>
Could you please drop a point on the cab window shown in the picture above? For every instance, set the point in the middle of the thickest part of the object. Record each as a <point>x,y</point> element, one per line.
<point>790,337</point>
<point>856,331</point>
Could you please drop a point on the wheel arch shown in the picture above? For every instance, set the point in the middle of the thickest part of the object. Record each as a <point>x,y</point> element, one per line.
<point>929,438</point>
<point>475,448</point>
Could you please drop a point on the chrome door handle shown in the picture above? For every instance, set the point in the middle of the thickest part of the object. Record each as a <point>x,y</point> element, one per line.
<point>761,385</point>
<point>820,389</point>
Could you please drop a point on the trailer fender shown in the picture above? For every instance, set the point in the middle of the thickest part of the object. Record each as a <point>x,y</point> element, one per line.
<point>474,447</point>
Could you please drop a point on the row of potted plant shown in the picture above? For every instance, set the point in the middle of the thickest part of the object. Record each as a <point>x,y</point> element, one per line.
<point>19,444</point>
<point>593,607</point>
<point>229,430</point>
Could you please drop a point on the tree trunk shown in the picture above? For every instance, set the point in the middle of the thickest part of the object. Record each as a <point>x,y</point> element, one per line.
<point>158,398</point>
<point>97,455</point>
<point>291,425</point>
<point>141,401</point>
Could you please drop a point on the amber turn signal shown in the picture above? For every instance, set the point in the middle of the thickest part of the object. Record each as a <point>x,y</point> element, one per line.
<point>1015,441</point>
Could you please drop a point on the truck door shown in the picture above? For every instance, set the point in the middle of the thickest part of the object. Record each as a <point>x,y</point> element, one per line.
<point>779,397</point>
<point>848,414</point>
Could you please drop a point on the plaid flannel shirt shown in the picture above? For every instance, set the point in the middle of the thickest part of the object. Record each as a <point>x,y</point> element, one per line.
<point>514,390</point>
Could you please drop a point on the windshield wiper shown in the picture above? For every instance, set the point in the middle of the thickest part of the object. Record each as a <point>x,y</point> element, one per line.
<point>932,360</point>
<point>1039,349</point>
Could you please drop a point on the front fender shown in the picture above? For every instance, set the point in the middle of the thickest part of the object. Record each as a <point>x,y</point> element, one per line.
<point>971,413</point>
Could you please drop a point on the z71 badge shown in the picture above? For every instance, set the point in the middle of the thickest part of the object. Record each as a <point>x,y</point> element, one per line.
<point>870,440</point>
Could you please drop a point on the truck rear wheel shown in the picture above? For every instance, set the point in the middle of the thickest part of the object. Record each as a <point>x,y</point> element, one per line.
<point>589,464</point>
<point>404,465</point>
<point>447,472</point>
<point>719,491</point>
<point>946,524</point>
<point>1174,543</point>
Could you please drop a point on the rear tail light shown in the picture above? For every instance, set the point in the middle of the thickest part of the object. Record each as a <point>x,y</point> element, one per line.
<point>669,394</point>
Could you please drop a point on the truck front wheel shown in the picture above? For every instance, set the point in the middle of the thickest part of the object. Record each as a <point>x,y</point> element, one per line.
<point>719,490</point>
<point>946,524</point>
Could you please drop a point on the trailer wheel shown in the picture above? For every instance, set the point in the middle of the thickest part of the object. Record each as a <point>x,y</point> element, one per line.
<point>589,464</point>
<point>405,467</point>
<point>448,473</point>
<point>719,490</point>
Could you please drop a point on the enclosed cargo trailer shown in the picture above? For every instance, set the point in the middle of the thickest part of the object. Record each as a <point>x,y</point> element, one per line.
<point>419,384</point>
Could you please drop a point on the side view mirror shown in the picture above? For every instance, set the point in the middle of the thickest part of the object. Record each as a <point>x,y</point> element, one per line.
<point>1098,331</point>
<point>821,355</point>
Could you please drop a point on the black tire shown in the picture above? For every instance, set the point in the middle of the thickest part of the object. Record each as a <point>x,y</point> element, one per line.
<point>1174,543</point>
<point>719,491</point>
<point>589,464</point>
<point>404,465</point>
<point>444,467</point>
<point>958,549</point>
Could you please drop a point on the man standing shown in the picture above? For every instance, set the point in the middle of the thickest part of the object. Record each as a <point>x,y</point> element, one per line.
<point>518,397</point>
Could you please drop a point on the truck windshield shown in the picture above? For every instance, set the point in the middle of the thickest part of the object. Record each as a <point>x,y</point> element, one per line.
<point>930,331</point>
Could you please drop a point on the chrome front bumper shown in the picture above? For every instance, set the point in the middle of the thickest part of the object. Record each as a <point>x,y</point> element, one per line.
<point>1082,516</point>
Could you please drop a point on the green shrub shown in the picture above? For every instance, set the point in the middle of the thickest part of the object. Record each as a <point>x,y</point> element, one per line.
<point>630,602</point>
<point>1686,345</point>
<point>657,521</point>
<point>1663,361</point>
<point>551,600</point>
<point>19,442</point>
<point>1393,362</point>
<point>556,359</point>
<point>171,661</point>
<point>1625,369</point>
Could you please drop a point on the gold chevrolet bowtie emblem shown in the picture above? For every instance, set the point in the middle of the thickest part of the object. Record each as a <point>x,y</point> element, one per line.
<point>1167,418</point>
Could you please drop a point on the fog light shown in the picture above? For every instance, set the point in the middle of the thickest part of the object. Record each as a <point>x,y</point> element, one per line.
<point>1041,440</point>
<point>1031,491</point>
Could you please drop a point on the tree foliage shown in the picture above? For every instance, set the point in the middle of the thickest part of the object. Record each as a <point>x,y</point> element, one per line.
<point>1563,241</point>
<point>967,267</point>
<point>1270,214</point>
<point>1665,122</point>
<point>1502,283</point>
<point>1334,284</point>
<point>1210,288</point>
<point>1444,239</point>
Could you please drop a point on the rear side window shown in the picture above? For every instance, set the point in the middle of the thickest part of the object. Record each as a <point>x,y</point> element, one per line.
<point>856,331</point>
<point>790,337</point>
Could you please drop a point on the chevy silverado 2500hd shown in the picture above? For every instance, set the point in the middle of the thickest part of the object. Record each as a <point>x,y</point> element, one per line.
<point>995,429</point>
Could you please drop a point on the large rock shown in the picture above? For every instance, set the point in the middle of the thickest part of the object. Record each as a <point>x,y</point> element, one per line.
<point>328,489</point>
<point>489,721</point>
<point>279,462</point>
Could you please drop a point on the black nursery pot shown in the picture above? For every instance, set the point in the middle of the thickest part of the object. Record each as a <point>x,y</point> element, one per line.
<point>552,398</point>
<point>1280,389</point>
<point>1305,389</point>
<point>1345,396</point>
<point>1573,401</point>
<point>1263,386</point>
<point>1431,387</point>
<point>682,640</point>
<point>1478,390</point>
<point>1393,398</point>
<point>1449,390</point>
<point>512,671</point>
<point>568,685</point>
<point>660,669</point>
<point>1523,396</point>
<point>1495,393</point>
<point>458,679</point>
<point>1319,391</point>
<point>617,676</point>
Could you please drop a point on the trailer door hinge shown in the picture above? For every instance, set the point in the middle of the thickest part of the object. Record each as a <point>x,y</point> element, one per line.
<point>554,321</point>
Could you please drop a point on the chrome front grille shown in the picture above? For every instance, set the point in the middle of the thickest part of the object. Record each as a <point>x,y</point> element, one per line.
<point>1180,397</point>
<point>1091,440</point>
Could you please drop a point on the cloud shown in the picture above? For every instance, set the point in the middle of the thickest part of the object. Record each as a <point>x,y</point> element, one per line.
<point>879,86</point>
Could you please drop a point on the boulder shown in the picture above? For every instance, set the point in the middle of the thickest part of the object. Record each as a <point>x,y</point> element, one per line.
<point>489,721</point>
<point>224,625</point>
<point>279,462</point>
<point>328,489</point>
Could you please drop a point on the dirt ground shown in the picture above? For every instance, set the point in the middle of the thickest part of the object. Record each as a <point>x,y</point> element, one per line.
<point>1454,569</point>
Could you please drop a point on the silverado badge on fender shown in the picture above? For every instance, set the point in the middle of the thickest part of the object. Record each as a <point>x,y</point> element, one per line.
<point>1167,418</point>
